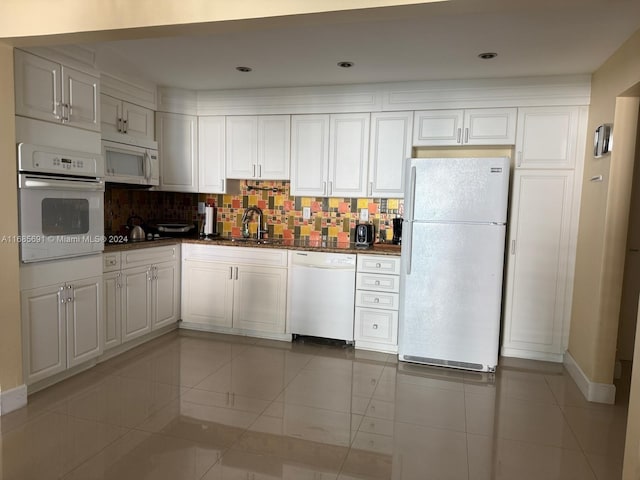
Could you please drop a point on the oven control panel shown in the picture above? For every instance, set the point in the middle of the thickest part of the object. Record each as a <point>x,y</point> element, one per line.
<point>33,158</point>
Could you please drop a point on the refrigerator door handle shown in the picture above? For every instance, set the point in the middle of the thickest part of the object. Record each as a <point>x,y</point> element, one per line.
<point>409,245</point>
<point>412,192</point>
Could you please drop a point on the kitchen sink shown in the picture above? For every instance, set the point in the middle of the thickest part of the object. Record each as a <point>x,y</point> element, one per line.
<point>258,241</point>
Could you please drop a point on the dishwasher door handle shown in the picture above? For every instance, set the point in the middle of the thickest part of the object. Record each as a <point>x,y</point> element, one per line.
<point>331,267</point>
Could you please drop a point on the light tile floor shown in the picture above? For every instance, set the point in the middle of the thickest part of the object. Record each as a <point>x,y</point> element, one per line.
<point>204,406</point>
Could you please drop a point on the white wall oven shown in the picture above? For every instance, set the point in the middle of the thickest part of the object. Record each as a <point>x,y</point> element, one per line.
<point>61,203</point>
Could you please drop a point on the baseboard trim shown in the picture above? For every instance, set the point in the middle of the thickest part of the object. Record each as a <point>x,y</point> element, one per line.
<point>592,391</point>
<point>13,399</point>
<point>532,355</point>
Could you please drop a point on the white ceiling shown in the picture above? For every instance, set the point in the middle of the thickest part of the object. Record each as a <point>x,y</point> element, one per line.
<point>425,42</point>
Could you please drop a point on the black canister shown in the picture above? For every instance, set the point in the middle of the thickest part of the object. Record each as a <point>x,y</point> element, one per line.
<point>397,231</point>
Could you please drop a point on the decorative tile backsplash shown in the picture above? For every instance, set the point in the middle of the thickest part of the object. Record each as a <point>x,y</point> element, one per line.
<point>331,218</point>
<point>120,203</point>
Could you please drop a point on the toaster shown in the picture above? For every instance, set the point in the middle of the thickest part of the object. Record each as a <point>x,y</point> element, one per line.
<point>364,235</point>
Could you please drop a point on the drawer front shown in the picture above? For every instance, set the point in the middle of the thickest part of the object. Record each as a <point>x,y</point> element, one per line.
<point>388,301</point>
<point>379,326</point>
<point>379,264</point>
<point>148,256</point>
<point>378,283</point>
<point>111,262</point>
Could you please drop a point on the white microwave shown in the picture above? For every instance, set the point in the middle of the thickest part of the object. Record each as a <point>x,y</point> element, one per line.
<point>130,164</point>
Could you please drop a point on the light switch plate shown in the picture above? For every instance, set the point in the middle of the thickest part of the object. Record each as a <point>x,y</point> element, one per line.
<point>306,213</point>
<point>364,214</point>
<point>201,208</point>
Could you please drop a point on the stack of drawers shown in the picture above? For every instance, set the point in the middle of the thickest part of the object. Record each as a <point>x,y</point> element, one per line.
<point>377,300</point>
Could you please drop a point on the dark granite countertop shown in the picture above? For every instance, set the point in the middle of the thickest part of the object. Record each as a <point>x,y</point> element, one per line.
<point>287,244</point>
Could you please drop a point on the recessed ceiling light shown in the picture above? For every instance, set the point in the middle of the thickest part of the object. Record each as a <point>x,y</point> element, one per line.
<point>345,64</point>
<point>488,55</point>
<point>244,69</point>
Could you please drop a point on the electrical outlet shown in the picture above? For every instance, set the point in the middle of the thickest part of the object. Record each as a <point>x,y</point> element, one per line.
<point>306,213</point>
<point>364,214</point>
<point>201,208</point>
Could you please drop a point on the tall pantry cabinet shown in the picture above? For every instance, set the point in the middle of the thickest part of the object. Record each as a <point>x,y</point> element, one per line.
<point>543,225</point>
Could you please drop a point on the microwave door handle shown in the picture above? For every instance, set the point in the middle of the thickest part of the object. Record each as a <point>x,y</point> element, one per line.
<point>147,166</point>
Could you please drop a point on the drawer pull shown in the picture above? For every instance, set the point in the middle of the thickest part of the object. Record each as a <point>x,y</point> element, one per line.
<point>378,265</point>
<point>376,300</point>
<point>377,282</point>
<point>375,326</point>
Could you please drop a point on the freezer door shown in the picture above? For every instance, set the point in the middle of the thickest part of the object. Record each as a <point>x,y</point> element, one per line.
<point>457,189</point>
<point>450,295</point>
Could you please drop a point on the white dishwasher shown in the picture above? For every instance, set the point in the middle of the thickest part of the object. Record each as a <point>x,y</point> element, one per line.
<point>322,294</point>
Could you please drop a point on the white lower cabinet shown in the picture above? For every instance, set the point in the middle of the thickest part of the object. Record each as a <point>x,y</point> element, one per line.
<point>234,289</point>
<point>61,323</point>
<point>141,291</point>
<point>112,284</point>
<point>377,301</point>
<point>136,302</point>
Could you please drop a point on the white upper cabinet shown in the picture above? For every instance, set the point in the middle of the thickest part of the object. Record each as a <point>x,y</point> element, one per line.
<point>547,137</point>
<point>482,126</point>
<point>119,119</point>
<point>309,155</point>
<point>438,127</point>
<point>258,147</point>
<point>211,154</point>
<point>274,147</point>
<point>329,155</point>
<point>47,90</point>
<point>178,151</point>
<point>348,154</point>
<point>242,146</point>
<point>389,146</point>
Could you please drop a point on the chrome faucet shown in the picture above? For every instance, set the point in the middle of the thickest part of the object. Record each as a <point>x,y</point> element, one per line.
<point>246,218</point>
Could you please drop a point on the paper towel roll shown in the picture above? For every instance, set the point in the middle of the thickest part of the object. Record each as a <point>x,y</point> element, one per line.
<point>208,220</point>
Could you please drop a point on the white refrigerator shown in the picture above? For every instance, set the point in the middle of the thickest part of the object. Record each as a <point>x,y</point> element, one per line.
<point>453,239</point>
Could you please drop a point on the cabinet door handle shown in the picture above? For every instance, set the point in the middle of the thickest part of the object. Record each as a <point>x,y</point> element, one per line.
<point>124,126</point>
<point>55,110</point>
<point>236,273</point>
<point>370,189</point>
<point>70,293</point>
<point>119,125</point>
<point>459,135</point>
<point>466,135</point>
<point>519,158</point>
<point>330,187</point>
<point>513,247</point>
<point>61,295</point>
<point>230,273</point>
<point>259,171</point>
<point>324,188</point>
<point>254,171</point>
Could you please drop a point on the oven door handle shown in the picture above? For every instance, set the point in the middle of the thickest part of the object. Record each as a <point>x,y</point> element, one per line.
<point>42,183</point>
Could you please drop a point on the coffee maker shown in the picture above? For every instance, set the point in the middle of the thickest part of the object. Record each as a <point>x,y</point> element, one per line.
<point>397,231</point>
